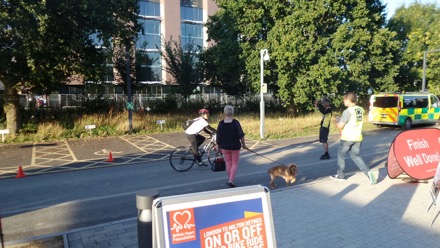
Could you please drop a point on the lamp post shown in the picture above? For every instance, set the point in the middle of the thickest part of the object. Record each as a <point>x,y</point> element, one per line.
<point>264,56</point>
<point>128,79</point>
<point>424,67</point>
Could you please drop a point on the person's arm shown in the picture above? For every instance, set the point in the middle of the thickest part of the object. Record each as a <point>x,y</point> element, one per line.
<point>340,123</point>
<point>210,130</point>
<point>243,144</point>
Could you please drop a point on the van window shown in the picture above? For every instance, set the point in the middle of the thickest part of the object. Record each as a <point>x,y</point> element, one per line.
<point>434,102</point>
<point>415,102</point>
<point>386,102</point>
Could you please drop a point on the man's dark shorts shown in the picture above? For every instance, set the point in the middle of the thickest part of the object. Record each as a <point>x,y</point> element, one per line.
<point>323,134</point>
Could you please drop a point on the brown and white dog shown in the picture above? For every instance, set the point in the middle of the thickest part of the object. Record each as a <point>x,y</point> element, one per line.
<point>286,172</point>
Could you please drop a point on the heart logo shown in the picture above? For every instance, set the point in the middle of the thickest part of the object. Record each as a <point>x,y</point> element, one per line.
<point>182,220</point>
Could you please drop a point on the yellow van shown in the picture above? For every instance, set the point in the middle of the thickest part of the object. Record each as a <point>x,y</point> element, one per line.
<point>404,109</point>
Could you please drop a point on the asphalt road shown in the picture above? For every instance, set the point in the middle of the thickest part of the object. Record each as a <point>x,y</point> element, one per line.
<point>44,203</point>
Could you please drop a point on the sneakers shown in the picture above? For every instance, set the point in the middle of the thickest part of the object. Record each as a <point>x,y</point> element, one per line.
<point>337,178</point>
<point>202,164</point>
<point>325,156</point>
<point>230,184</point>
<point>371,177</point>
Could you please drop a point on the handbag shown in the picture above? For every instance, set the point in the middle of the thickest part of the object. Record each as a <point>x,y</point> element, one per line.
<point>219,163</point>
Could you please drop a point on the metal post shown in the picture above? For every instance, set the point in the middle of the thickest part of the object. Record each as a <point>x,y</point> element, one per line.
<point>2,237</point>
<point>144,204</point>
<point>129,94</point>
<point>424,72</point>
<point>261,94</point>
<point>264,56</point>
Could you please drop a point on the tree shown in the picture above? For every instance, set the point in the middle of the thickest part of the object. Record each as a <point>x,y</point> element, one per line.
<point>221,63</point>
<point>44,43</point>
<point>418,29</point>
<point>182,65</point>
<point>316,47</point>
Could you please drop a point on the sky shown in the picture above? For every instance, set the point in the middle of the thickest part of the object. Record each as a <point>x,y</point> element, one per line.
<point>392,5</point>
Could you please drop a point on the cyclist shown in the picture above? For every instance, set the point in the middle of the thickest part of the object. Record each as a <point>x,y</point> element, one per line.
<point>192,134</point>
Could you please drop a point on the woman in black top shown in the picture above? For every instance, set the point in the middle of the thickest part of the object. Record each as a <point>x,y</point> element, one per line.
<point>230,138</point>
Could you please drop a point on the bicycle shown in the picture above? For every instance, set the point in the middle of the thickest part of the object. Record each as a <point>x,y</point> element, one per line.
<point>182,159</point>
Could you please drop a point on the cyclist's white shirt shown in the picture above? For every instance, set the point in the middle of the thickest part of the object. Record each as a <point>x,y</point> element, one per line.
<point>197,126</point>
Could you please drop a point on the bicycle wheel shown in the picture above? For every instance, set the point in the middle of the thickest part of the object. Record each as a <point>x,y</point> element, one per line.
<point>182,159</point>
<point>212,151</point>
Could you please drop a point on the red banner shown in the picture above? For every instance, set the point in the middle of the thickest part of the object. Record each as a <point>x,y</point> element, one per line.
<point>415,152</point>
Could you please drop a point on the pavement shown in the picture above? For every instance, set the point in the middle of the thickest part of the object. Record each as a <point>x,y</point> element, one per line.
<point>321,213</point>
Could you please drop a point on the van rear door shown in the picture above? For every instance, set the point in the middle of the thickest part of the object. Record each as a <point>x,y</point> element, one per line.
<point>384,109</point>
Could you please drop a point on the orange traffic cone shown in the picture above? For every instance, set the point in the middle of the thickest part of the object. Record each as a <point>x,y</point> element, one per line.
<point>110,157</point>
<point>20,173</point>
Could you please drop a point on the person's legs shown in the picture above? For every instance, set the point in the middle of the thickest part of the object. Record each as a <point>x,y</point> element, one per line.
<point>323,137</point>
<point>344,147</point>
<point>354,155</point>
<point>194,146</point>
<point>227,156</point>
<point>235,156</point>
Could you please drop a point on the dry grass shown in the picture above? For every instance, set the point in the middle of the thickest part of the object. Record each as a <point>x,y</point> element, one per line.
<point>115,124</point>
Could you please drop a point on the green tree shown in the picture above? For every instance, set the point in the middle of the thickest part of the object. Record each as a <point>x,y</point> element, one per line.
<point>221,63</point>
<point>44,43</point>
<point>182,64</point>
<point>418,29</point>
<point>316,47</point>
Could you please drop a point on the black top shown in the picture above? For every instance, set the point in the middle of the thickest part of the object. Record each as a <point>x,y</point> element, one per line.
<point>229,135</point>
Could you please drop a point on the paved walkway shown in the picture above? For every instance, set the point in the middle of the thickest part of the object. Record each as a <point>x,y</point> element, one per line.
<point>323,213</point>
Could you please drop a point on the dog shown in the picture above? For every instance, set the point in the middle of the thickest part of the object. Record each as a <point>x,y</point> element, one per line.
<point>286,172</point>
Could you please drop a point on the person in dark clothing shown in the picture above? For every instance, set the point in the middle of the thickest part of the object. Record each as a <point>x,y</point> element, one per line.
<point>193,134</point>
<point>230,139</point>
<point>324,107</point>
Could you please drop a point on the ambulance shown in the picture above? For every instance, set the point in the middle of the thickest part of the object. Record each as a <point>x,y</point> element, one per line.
<point>404,109</point>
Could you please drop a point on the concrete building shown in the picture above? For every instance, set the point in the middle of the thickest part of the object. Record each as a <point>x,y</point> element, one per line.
<point>166,19</point>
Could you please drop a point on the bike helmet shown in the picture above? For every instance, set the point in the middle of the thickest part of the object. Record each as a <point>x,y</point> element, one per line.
<point>203,111</point>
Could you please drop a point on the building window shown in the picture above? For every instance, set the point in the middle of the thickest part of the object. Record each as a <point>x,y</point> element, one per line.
<point>149,8</point>
<point>150,37</point>
<point>149,61</point>
<point>149,67</point>
<point>191,33</point>
<point>191,27</point>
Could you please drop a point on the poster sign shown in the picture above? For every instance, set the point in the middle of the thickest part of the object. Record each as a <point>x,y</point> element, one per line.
<point>239,217</point>
<point>415,152</point>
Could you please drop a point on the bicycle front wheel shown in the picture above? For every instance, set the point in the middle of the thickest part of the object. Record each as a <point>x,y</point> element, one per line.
<point>181,159</point>
<point>212,152</point>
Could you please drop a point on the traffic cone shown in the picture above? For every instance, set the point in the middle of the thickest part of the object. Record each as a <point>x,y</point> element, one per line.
<point>110,157</point>
<point>20,173</point>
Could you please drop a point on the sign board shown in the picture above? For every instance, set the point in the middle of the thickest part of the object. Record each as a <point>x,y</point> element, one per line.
<point>415,152</point>
<point>239,217</point>
<point>264,88</point>
<point>161,122</point>
<point>3,132</point>
<point>90,126</point>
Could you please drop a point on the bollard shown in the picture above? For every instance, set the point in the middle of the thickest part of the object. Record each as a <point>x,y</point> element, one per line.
<point>144,204</point>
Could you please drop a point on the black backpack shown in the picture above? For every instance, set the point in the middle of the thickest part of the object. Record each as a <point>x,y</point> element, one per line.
<point>187,123</point>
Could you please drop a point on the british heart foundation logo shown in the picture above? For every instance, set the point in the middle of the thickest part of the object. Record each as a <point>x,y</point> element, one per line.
<point>182,226</point>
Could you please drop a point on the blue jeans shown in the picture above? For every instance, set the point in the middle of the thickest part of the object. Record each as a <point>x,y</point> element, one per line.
<point>353,147</point>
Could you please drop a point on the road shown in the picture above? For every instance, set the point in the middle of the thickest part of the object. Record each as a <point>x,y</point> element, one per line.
<point>55,202</point>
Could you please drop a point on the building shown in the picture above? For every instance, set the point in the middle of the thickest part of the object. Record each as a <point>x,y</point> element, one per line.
<point>170,18</point>
<point>160,20</point>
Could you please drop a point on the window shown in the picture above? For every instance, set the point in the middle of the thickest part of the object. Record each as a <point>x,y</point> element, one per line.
<point>149,67</point>
<point>149,8</point>
<point>191,29</point>
<point>191,33</point>
<point>386,102</point>
<point>150,38</point>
